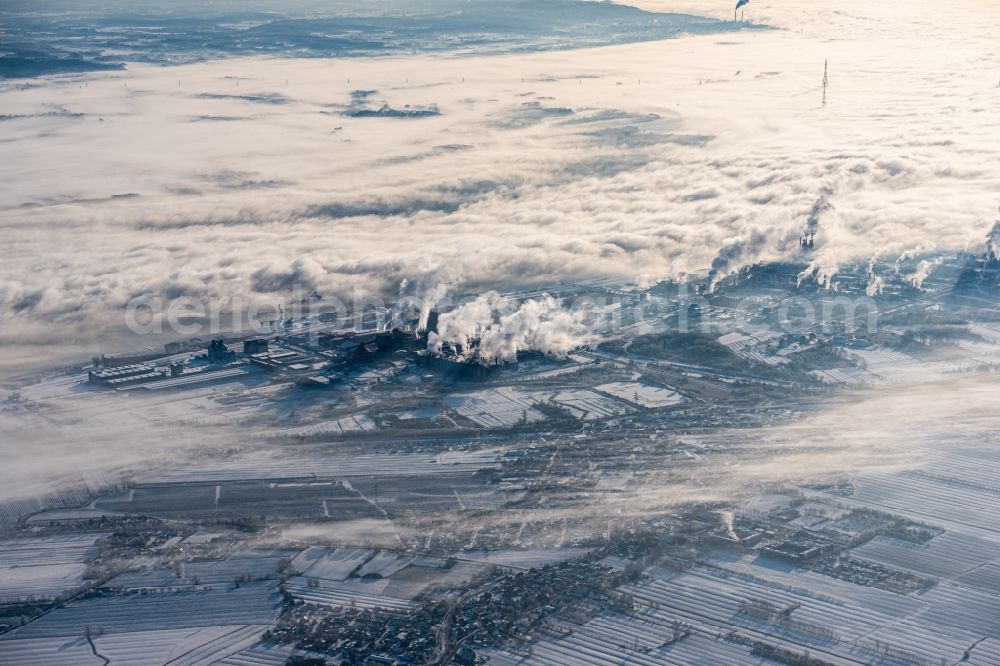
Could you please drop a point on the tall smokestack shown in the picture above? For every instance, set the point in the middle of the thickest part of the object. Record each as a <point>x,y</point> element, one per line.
<point>826,79</point>
<point>740,4</point>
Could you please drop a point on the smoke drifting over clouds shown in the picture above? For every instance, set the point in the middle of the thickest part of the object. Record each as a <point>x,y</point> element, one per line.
<point>678,168</point>
<point>819,207</point>
<point>736,254</point>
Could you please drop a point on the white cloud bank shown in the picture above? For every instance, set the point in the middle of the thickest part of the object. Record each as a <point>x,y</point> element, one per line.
<point>649,161</point>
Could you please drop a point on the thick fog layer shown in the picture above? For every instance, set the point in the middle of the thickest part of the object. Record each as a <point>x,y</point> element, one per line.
<point>654,160</point>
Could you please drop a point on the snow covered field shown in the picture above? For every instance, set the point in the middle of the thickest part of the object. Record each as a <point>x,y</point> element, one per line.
<point>187,647</point>
<point>586,405</point>
<point>274,466</point>
<point>43,566</point>
<point>643,395</point>
<point>319,562</point>
<point>496,408</point>
<point>713,612</point>
<point>253,603</point>
<point>356,592</point>
<point>249,565</point>
<point>346,425</point>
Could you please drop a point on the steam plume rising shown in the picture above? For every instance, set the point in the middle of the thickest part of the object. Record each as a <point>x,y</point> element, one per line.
<point>819,207</point>
<point>875,281</point>
<point>466,323</point>
<point>739,253</point>
<point>421,293</point>
<point>993,242</point>
<point>494,328</point>
<point>922,272</point>
<point>727,522</point>
<point>735,254</point>
<point>742,3</point>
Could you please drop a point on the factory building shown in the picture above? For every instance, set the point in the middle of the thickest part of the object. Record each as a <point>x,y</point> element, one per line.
<point>283,360</point>
<point>353,347</point>
<point>218,352</point>
<point>456,369</point>
<point>255,346</point>
<point>122,360</point>
<point>432,321</point>
<point>123,375</point>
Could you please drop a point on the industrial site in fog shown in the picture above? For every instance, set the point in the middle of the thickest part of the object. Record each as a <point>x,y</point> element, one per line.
<point>444,332</point>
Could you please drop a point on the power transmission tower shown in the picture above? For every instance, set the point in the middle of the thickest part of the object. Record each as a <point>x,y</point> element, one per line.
<point>826,79</point>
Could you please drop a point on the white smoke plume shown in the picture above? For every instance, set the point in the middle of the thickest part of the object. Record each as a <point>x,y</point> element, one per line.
<point>466,323</point>
<point>735,255</point>
<point>823,269</point>
<point>761,244</point>
<point>727,522</point>
<point>875,282</point>
<point>494,328</point>
<point>421,293</point>
<point>820,206</point>
<point>993,242</point>
<point>897,269</point>
<point>922,272</point>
